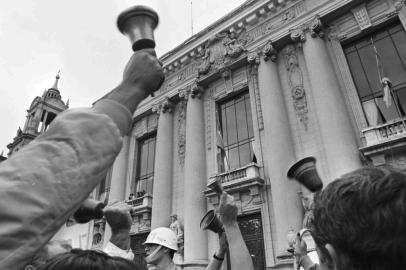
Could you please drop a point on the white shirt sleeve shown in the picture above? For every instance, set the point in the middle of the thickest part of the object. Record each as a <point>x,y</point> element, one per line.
<point>115,251</point>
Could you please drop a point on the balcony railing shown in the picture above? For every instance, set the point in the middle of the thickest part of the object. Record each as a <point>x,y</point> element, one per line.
<point>246,178</point>
<point>386,132</point>
<point>141,213</point>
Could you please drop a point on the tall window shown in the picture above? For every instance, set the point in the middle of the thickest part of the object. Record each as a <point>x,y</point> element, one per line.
<point>145,166</point>
<point>390,44</point>
<point>237,131</point>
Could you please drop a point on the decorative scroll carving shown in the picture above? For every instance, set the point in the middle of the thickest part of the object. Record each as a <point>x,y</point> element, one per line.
<point>164,106</point>
<point>182,132</point>
<point>298,36</point>
<point>167,105</point>
<point>316,28</point>
<point>269,52</point>
<point>156,108</point>
<point>361,16</point>
<point>295,79</point>
<point>196,90</point>
<point>254,61</point>
<point>184,93</point>
<point>253,58</point>
<point>399,5</point>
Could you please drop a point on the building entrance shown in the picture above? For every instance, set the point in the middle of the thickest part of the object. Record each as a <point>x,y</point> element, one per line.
<point>138,250</point>
<point>251,229</point>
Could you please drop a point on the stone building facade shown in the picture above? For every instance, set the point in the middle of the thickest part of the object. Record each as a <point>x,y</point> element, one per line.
<point>272,82</point>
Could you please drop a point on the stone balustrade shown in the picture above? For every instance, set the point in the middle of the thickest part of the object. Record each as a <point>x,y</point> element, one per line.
<point>386,132</point>
<point>141,214</point>
<point>239,180</point>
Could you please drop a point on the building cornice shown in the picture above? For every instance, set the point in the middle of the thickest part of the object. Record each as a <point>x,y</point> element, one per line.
<point>249,28</point>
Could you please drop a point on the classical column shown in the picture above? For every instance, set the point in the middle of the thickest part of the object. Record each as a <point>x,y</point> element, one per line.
<point>119,179</point>
<point>162,192</point>
<point>338,136</point>
<point>195,254</point>
<point>278,150</point>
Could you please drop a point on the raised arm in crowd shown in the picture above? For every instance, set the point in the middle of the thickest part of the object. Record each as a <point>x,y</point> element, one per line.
<point>44,183</point>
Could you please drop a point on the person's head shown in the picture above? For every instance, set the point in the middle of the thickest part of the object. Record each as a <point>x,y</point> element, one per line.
<point>78,259</point>
<point>51,249</point>
<point>161,245</point>
<point>360,221</point>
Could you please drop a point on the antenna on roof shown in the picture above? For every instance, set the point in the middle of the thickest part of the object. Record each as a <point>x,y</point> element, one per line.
<point>191,16</point>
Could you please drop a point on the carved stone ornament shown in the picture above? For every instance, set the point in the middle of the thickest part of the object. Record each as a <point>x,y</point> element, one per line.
<point>269,52</point>
<point>399,5</point>
<point>362,17</point>
<point>219,49</point>
<point>298,36</point>
<point>316,28</point>
<point>253,58</point>
<point>184,92</point>
<point>254,61</point>
<point>233,44</point>
<point>225,72</point>
<point>156,108</point>
<point>295,80</point>
<point>182,132</point>
<point>167,105</point>
<point>196,90</point>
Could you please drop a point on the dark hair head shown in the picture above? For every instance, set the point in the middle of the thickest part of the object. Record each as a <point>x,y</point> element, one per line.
<point>47,251</point>
<point>78,259</point>
<point>363,216</point>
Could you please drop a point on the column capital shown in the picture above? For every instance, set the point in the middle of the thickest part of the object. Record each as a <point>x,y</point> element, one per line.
<point>184,93</point>
<point>316,28</point>
<point>298,35</point>
<point>399,5</point>
<point>196,90</point>
<point>253,58</point>
<point>270,52</point>
<point>164,106</point>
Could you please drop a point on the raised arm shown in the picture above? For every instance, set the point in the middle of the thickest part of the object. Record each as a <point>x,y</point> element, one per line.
<point>239,255</point>
<point>219,256</point>
<point>44,183</point>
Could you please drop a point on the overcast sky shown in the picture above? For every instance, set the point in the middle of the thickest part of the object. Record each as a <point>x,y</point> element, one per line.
<point>79,37</point>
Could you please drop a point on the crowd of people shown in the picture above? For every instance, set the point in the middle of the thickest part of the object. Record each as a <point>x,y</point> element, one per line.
<point>359,220</point>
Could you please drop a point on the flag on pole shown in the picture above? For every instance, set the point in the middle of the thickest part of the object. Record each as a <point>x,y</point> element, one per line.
<point>382,79</point>
<point>386,91</point>
<point>221,152</point>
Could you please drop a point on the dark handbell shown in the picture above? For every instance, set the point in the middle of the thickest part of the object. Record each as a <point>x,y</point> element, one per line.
<point>305,172</point>
<point>211,222</point>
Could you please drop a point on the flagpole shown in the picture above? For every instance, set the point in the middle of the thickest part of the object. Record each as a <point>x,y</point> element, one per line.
<point>389,84</point>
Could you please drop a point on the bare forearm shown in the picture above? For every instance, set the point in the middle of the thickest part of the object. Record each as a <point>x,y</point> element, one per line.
<point>239,255</point>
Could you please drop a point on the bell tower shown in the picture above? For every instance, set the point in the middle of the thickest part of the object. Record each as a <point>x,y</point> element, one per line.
<point>41,113</point>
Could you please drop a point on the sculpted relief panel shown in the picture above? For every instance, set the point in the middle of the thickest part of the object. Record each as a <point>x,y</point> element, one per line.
<point>295,80</point>
<point>219,49</point>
